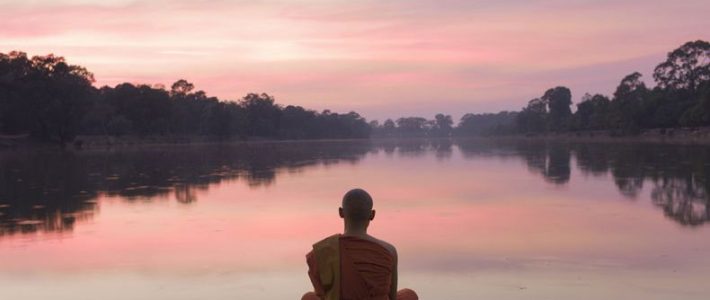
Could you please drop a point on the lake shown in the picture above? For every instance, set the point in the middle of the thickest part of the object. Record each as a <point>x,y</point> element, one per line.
<point>472,219</point>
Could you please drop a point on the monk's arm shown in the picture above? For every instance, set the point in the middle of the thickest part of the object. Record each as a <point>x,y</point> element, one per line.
<point>313,274</point>
<point>393,288</point>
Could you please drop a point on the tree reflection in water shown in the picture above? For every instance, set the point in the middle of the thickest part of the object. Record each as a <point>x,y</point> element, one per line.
<point>678,173</point>
<point>51,191</point>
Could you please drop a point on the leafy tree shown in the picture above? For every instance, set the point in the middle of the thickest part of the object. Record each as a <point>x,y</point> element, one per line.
<point>181,87</point>
<point>47,96</point>
<point>627,105</point>
<point>443,125</point>
<point>686,67</point>
<point>16,112</point>
<point>533,118</point>
<point>412,126</point>
<point>486,124</point>
<point>699,113</point>
<point>592,112</point>
<point>558,100</point>
<point>263,115</point>
<point>388,128</point>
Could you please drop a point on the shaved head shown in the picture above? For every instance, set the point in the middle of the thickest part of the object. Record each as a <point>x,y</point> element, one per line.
<point>357,205</point>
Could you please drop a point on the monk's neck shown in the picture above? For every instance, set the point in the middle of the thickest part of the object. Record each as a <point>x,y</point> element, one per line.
<point>355,229</point>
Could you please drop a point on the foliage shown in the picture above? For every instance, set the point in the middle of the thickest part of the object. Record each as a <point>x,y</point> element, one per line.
<point>487,124</point>
<point>54,101</point>
<point>592,113</point>
<point>686,67</point>
<point>558,101</point>
<point>43,96</point>
<point>679,99</point>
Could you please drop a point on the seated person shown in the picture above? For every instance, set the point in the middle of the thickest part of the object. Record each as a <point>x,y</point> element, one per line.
<point>354,265</point>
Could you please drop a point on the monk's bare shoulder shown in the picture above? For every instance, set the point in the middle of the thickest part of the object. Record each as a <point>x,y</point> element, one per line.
<point>387,245</point>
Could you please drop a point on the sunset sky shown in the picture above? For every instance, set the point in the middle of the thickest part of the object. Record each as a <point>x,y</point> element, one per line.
<point>380,58</point>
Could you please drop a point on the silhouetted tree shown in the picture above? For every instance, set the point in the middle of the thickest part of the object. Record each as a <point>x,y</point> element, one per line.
<point>558,100</point>
<point>181,87</point>
<point>533,118</point>
<point>412,126</point>
<point>44,96</point>
<point>699,113</point>
<point>592,113</point>
<point>686,67</point>
<point>443,125</point>
<point>53,101</point>
<point>263,114</point>
<point>626,107</point>
<point>487,124</point>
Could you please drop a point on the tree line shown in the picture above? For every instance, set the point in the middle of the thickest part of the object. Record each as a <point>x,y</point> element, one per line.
<point>51,100</point>
<point>681,98</point>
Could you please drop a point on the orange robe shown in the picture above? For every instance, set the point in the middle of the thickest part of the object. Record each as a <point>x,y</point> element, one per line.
<point>351,268</point>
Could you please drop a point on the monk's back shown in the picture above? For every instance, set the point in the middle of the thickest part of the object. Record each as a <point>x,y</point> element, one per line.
<point>354,265</point>
<point>366,268</point>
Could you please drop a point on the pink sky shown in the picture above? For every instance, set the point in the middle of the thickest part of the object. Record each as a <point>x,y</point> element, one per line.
<point>380,58</point>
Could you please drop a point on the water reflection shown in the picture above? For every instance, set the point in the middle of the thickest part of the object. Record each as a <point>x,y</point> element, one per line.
<point>677,173</point>
<point>52,191</point>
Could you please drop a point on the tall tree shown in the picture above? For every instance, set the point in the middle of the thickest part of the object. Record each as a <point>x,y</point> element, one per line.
<point>558,100</point>
<point>626,107</point>
<point>686,67</point>
<point>60,94</point>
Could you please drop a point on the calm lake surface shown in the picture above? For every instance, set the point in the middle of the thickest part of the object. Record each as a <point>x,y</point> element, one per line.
<point>471,219</point>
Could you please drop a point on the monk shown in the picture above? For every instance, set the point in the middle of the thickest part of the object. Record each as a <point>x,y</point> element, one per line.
<point>354,265</point>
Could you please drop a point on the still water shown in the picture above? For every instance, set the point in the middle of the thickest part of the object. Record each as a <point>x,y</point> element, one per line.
<point>471,219</point>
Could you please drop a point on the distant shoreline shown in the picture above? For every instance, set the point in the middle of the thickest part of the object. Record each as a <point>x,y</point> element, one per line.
<point>684,135</point>
<point>699,135</point>
<point>111,142</point>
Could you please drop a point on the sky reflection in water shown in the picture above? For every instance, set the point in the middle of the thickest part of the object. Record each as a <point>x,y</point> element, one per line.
<point>496,219</point>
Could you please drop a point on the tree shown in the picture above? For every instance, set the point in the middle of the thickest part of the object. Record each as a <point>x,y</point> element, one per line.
<point>533,117</point>
<point>60,94</point>
<point>630,85</point>
<point>297,122</point>
<point>699,114</point>
<point>412,126</point>
<point>443,125</point>
<point>181,87</point>
<point>43,96</point>
<point>558,100</point>
<point>389,127</point>
<point>686,67</point>
<point>263,115</point>
<point>486,124</point>
<point>627,105</point>
<point>592,112</point>
<point>147,109</point>
<point>16,112</point>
